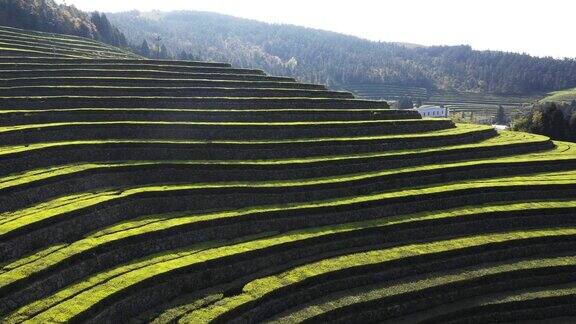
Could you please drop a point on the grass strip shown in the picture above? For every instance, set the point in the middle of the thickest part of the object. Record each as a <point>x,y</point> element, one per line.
<point>365,294</point>
<point>72,301</point>
<point>562,150</point>
<point>16,220</point>
<point>53,255</point>
<point>460,129</point>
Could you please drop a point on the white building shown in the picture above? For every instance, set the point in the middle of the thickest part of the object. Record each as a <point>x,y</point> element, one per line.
<point>501,127</point>
<point>432,111</point>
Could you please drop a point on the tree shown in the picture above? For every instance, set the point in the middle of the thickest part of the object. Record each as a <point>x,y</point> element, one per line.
<point>164,52</point>
<point>500,118</point>
<point>523,123</point>
<point>106,32</point>
<point>144,49</point>
<point>183,56</point>
<point>548,120</point>
<point>85,31</point>
<point>572,127</point>
<point>555,124</point>
<point>418,103</point>
<point>405,103</point>
<point>537,123</point>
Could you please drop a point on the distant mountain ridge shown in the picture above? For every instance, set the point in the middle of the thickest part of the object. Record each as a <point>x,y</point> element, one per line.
<point>335,59</point>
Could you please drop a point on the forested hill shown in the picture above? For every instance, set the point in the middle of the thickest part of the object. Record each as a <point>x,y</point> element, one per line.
<point>48,16</point>
<point>332,58</point>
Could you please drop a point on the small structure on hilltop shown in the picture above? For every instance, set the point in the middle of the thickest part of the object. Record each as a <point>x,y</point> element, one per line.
<point>432,111</point>
<point>500,127</point>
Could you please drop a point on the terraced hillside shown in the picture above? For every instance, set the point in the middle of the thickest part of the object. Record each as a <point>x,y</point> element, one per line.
<point>159,191</point>
<point>387,91</point>
<point>17,42</point>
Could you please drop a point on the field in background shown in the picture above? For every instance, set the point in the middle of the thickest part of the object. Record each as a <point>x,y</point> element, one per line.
<point>471,107</point>
<point>560,96</point>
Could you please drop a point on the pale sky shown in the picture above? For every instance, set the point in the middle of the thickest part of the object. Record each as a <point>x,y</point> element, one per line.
<point>537,27</point>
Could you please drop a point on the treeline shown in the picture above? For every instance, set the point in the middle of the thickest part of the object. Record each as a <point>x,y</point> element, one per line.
<point>557,121</point>
<point>158,50</point>
<point>48,16</point>
<point>336,59</point>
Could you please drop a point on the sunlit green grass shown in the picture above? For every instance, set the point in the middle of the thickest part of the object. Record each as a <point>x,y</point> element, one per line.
<point>73,300</point>
<point>14,220</point>
<point>459,130</point>
<point>365,294</point>
<point>24,267</point>
<point>560,96</point>
<point>259,287</point>
<point>561,151</point>
<point>535,293</point>
<point>384,123</point>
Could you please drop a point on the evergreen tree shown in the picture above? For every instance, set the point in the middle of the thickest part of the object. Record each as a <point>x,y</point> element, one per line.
<point>418,103</point>
<point>144,49</point>
<point>405,103</point>
<point>555,124</point>
<point>164,52</point>
<point>549,121</point>
<point>106,32</point>
<point>523,123</point>
<point>537,124</point>
<point>183,56</point>
<point>572,128</point>
<point>500,118</point>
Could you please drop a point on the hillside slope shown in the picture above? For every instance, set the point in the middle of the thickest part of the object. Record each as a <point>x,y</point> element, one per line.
<point>48,16</point>
<point>335,59</point>
<point>198,192</point>
<point>25,43</point>
<point>567,96</point>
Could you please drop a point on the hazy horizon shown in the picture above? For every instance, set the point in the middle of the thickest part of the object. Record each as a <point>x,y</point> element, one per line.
<point>512,26</point>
